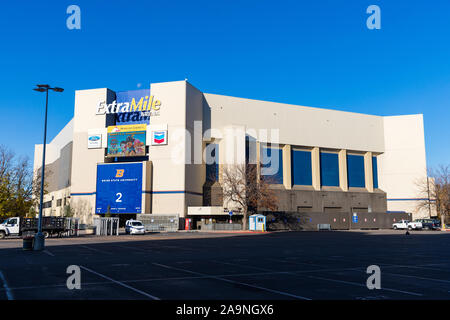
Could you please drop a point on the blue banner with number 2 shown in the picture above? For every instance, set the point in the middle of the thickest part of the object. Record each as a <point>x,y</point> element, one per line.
<point>119,186</point>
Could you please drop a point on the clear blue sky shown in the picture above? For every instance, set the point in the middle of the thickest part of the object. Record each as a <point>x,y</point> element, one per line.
<point>315,53</point>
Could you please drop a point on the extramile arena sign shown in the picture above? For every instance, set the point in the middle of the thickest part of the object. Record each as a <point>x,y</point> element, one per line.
<point>148,106</point>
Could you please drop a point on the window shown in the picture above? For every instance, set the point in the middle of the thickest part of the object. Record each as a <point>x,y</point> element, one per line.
<point>47,204</point>
<point>329,169</point>
<point>355,171</point>
<point>212,169</point>
<point>301,167</point>
<point>272,165</point>
<point>58,202</point>
<point>375,172</point>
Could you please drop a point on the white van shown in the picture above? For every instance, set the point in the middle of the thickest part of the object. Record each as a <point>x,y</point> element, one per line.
<point>134,227</point>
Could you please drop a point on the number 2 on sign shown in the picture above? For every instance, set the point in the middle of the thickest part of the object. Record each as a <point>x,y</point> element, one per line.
<point>119,197</point>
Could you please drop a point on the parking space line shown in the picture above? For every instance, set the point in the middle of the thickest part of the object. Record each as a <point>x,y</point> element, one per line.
<point>241,265</point>
<point>8,291</point>
<point>120,283</point>
<point>49,253</point>
<point>236,282</point>
<point>174,278</point>
<point>296,262</point>
<point>416,277</point>
<point>94,249</point>
<point>361,285</point>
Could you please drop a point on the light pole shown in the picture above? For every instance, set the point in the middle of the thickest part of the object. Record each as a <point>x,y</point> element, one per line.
<point>39,239</point>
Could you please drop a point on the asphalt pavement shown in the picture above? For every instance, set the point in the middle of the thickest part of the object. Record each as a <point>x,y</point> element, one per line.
<point>271,266</point>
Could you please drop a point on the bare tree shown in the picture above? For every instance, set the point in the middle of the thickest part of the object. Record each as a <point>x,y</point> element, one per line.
<point>36,187</point>
<point>6,162</point>
<point>242,186</point>
<point>436,190</point>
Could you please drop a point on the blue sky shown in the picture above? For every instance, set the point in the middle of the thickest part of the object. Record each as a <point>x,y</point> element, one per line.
<point>314,53</point>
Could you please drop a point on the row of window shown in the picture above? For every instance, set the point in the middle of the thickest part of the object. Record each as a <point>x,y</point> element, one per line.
<point>59,203</point>
<point>301,167</point>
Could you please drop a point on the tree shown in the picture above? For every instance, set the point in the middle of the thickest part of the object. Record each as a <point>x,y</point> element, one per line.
<point>36,188</point>
<point>18,185</point>
<point>242,186</point>
<point>68,211</point>
<point>436,189</point>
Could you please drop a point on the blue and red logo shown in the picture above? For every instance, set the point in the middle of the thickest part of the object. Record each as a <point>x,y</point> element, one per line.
<point>159,137</point>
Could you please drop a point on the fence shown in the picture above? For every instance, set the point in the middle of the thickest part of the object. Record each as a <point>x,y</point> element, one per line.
<point>336,220</point>
<point>106,226</point>
<point>162,222</point>
<point>221,226</point>
<point>72,225</point>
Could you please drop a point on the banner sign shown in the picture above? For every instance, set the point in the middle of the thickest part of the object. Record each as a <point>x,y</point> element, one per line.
<point>131,107</point>
<point>94,141</point>
<point>127,140</point>
<point>159,137</point>
<point>119,187</point>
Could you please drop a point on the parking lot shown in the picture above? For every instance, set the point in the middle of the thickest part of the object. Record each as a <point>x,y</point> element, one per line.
<point>280,265</point>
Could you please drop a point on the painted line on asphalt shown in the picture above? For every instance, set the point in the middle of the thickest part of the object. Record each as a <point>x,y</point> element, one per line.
<point>8,291</point>
<point>94,249</point>
<point>416,277</point>
<point>120,283</point>
<point>361,285</point>
<point>295,262</point>
<point>49,253</point>
<point>236,282</point>
<point>139,250</point>
<point>241,265</point>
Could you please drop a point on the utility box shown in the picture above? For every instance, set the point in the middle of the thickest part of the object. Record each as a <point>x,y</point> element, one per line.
<point>257,222</point>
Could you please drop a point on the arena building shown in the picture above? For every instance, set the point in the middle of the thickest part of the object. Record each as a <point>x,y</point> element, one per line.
<point>143,151</point>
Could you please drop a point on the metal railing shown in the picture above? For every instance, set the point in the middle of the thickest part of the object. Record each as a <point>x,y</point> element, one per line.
<point>161,222</point>
<point>106,226</point>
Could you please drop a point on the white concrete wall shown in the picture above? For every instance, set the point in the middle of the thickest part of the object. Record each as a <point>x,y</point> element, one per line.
<point>169,160</point>
<point>298,125</point>
<point>403,163</point>
<point>53,149</point>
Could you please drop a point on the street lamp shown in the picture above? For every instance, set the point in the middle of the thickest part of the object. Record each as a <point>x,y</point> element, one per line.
<point>39,239</point>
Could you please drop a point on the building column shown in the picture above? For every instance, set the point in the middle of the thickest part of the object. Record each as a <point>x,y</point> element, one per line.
<point>368,173</point>
<point>222,161</point>
<point>258,161</point>
<point>287,177</point>
<point>343,182</point>
<point>315,166</point>
<point>148,186</point>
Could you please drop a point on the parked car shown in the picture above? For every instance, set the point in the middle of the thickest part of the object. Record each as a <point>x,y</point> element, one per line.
<point>134,227</point>
<point>430,224</point>
<point>406,224</point>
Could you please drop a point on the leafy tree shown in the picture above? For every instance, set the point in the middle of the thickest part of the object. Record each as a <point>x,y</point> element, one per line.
<point>19,188</point>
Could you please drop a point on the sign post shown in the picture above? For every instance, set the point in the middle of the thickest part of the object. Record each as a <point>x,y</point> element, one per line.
<point>231,214</point>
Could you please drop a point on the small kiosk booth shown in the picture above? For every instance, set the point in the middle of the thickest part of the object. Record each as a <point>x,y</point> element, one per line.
<point>257,222</point>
